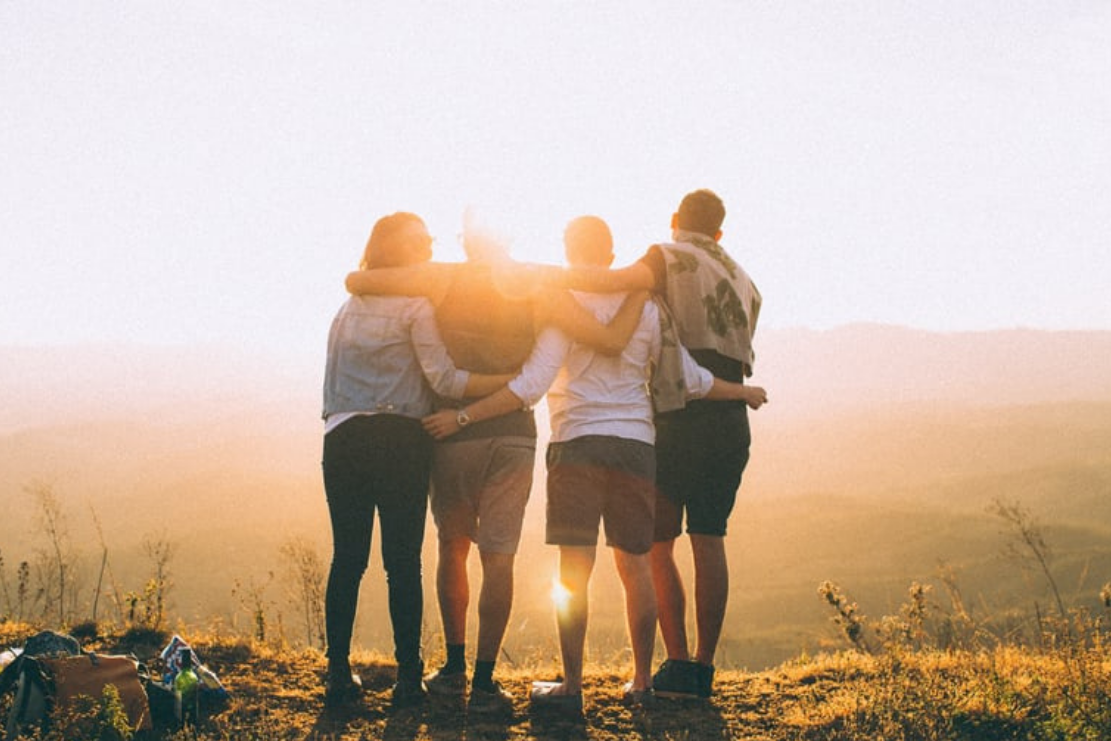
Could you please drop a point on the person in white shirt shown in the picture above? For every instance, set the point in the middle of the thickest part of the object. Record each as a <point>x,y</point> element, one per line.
<point>601,462</point>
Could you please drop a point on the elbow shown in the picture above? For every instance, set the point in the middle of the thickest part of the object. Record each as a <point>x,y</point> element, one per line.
<point>360,283</point>
<point>350,283</point>
<point>524,398</point>
<point>611,348</point>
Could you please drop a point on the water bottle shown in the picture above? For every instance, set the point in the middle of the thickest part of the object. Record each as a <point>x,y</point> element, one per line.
<point>186,690</point>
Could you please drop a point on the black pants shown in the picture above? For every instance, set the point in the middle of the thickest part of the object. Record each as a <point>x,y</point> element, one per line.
<point>379,462</point>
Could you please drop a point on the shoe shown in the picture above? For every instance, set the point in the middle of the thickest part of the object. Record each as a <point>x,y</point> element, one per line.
<point>705,680</point>
<point>441,684</point>
<point>495,699</point>
<point>676,678</point>
<point>543,697</point>
<point>342,689</point>
<point>408,692</point>
<point>631,698</point>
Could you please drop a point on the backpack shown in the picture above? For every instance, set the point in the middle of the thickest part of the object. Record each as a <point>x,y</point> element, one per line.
<point>52,671</point>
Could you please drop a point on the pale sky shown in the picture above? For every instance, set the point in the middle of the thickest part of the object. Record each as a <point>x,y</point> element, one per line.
<point>209,171</point>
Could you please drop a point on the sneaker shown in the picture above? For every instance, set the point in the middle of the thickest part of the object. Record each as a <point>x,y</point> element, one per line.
<point>444,684</point>
<point>408,692</point>
<point>495,699</point>
<point>631,698</point>
<point>677,678</point>
<point>705,680</point>
<point>543,697</point>
<point>342,689</point>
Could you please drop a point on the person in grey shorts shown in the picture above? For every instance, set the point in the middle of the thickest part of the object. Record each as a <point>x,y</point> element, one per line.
<point>482,477</point>
<point>601,462</point>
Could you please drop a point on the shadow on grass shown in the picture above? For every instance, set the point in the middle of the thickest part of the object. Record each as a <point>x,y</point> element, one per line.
<point>551,725</point>
<point>681,719</point>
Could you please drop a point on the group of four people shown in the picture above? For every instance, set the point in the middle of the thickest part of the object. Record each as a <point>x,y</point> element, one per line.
<point>643,433</point>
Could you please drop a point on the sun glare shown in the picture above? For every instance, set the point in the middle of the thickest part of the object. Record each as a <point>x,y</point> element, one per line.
<point>561,595</point>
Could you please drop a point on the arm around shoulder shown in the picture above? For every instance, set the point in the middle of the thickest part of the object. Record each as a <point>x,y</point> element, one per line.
<point>563,312</point>
<point>634,277</point>
<point>426,279</point>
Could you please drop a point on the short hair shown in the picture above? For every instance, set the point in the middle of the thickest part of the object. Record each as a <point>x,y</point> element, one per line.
<point>701,211</point>
<point>587,241</point>
<point>383,248</point>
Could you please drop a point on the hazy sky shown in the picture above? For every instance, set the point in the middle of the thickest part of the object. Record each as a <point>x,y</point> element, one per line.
<point>209,171</point>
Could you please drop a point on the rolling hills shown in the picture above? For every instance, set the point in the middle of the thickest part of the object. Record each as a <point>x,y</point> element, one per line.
<point>873,465</point>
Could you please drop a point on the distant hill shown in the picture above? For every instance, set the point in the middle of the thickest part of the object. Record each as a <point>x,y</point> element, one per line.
<point>858,366</point>
<point>807,372</point>
<point>49,385</point>
<point>874,461</point>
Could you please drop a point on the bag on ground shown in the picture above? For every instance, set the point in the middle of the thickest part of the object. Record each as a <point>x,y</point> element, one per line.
<point>51,672</point>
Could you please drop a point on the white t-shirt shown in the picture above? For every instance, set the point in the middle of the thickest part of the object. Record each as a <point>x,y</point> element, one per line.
<point>590,393</point>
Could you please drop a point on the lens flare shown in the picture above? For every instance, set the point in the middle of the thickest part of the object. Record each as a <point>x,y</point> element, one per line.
<point>561,595</point>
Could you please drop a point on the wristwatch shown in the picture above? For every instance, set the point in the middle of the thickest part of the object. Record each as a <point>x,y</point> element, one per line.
<point>462,418</point>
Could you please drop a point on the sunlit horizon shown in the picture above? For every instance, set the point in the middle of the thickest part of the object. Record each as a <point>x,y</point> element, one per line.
<point>203,173</point>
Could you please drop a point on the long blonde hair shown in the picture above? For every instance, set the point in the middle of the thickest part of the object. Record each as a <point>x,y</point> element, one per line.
<point>383,249</point>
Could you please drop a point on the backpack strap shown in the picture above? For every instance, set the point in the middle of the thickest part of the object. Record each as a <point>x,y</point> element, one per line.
<point>10,675</point>
<point>31,680</point>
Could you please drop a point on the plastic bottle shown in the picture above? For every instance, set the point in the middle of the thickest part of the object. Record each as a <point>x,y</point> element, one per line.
<point>186,690</point>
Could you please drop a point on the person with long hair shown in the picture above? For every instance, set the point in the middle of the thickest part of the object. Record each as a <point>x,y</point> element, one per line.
<point>385,363</point>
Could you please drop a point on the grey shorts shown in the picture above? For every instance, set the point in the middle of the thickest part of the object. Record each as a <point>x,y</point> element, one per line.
<point>599,477</point>
<point>480,488</point>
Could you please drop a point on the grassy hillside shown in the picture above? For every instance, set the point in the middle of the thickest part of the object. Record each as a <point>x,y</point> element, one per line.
<point>985,695</point>
<point>873,474</point>
<point>872,502</point>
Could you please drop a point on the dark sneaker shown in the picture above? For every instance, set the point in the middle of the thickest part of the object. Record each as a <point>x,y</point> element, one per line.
<point>705,680</point>
<point>676,678</point>
<point>342,689</point>
<point>443,684</point>
<point>408,692</point>
<point>631,698</point>
<point>543,697</point>
<point>492,699</point>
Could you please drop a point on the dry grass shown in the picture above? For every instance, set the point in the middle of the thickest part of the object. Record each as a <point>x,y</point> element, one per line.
<point>1003,693</point>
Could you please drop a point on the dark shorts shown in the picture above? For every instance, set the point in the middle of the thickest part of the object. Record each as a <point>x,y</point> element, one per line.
<point>599,477</point>
<point>701,453</point>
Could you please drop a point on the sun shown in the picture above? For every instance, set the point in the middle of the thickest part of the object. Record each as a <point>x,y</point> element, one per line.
<point>560,594</point>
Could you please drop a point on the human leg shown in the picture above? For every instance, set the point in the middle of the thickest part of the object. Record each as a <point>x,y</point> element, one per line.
<point>498,499</point>
<point>628,512</point>
<point>708,511</point>
<point>402,512</point>
<point>635,571</point>
<point>351,505</point>
<point>456,526</point>
<point>453,588</point>
<point>576,563</point>
<point>677,675</point>
<point>702,455</point>
<point>573,513</point>
<point>495,601</point>
<point>671,600</point>
<point>453,598</point>
<point>711,593</point>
